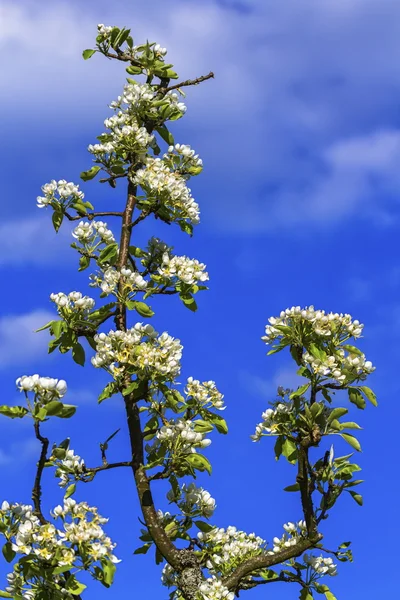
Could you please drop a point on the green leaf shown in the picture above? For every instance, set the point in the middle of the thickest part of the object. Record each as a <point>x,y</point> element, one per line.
<point>67,411</point>
<point>5,594</point>
<point>204,527</point>
<point>292,488</point>
<point>47,326</point>
<point>199,462</point>
<point>71,489</point>
<point>329,596</point>
<point>57,328</point>
<point>84,262</point>
<point>78,354</point>
<point>8,552</point>
<point>109,254</point>
<point>143,549</point>
<point>350,425</point>
<point>300,391</point>
<point>357,497</point>
<point>133,70</point>
<point>317,352</point>
<point>356,398</point>
<point>143,309</point>
<point>188,301</point>
<point>289,450</point>
<point>305,594</point>
<point>165,134</point>
<point>57,219</point>
<point>73,586</point>
<point>202,426</point>
<point>90,173</point>
<point>220,423</point>
<point>109,569</point>
<point>369,394</point>
<point>14,412</point>
<point>110,389</point>
<point>88,53</point>
<point>336,413</point>
<point>54,407</point>
<point>350,439</point>
<point>352,349</point>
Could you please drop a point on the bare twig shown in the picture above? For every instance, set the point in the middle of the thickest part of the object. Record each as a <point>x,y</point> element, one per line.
<point>93,215</point>
<point>188,82</point>
<point>37,486</point>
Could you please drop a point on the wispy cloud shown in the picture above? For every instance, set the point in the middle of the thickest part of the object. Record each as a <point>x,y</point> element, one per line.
<point>18,341</point>
<point>18,452</point>
<point>291,132</point>
<point>265,389</point>
<point>33,241</point>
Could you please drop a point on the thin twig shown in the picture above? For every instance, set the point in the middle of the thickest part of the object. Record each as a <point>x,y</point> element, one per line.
<point>93,215</point>
<point>188,82</point>
<point>37,486</point>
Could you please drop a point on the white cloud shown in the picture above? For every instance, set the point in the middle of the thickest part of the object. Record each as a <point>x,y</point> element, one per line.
<point>33,241</point>
<point>266,388</point>
<point>301,89</point>
<point>18,452</point>
<point>18,341</point>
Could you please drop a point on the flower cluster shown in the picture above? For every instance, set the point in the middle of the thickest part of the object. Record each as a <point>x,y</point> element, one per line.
<point>181,157</point>
<point>214,589</point>
<point>205,393</point>
<point>93,233</point>
<point>182,268</point>
<point>45,388</point>
<point>141,350</point>
<point>80,535</point>
<point>181,434</point>
<point>193,500</point>
<point>169,189</point>
<point>225,549</point>
<point>60,191</point>
<point>73,302</point>
<point>329,325</point>
<point>133,281</point>
<point>71,466</point>
<point>125,135</point>
<point>271,420</point>
<point>294,531</point>
<point>104,30</point>
<point>341,366</point>
<point>321,565</point>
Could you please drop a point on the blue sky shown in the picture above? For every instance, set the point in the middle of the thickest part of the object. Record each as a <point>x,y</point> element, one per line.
<point>300,137</point>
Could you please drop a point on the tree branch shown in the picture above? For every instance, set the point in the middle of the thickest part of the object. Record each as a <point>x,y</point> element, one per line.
<point>188,82</point>
<point>93,215</point>
<point>37,486</point>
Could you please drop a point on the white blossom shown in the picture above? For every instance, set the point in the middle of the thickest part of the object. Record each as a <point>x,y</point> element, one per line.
<point>60,191</point>
<point>47,388</point>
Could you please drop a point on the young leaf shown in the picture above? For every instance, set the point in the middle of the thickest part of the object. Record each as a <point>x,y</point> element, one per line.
<point>350,439</point>
<point>14,412</point>
<point>369,394</point>
<point>70,490</point>
<point>88,53</point>
<point>357,497</point>
<point>199,462</point>
<point>78,354</point>
<point>356,398</point>
<point>90,174</point>
<point>110,389</point>
<point>300,391</point>
<point>73,586</point>
<point>8,552</point>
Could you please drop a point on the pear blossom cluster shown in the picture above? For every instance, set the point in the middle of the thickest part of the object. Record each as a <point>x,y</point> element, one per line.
<point>341,366</point>
<point>80,530</point>
<point>329,325</point>
<point>226,548</point>
<point>141,349</point>
<point>93,233</point>
<point>72,466</point>
<point>180,435</point>
<point>182,268</point>
<point>18,588</point>
<point>168,188</point>
<point>108,281</point>
<point>125,135</point>
<point>205,394</point>
<point>214,589</point>
<point>271,420</point>
<point>60,191</point>
<point>104,30</point>
<point>45,388</point>
<point>73,302</point>
<point>293,532</point>
<point>138,97</point>
<point>193,500</point>
<point>321,565</point>
<point>183,158</point>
